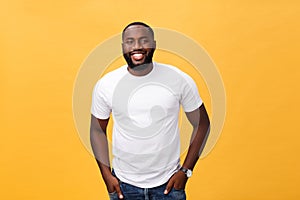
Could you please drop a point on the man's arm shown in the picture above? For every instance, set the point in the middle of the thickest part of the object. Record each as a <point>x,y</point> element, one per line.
<point>200,121</point>
<point>100,148</point>
<point>201,125</point>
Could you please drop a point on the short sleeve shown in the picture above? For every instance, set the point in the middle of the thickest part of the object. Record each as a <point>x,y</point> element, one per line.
<point>190,98</point>
<point>100,105</point>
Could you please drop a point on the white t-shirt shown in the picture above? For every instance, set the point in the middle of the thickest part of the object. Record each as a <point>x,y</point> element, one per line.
<point>145,109</point>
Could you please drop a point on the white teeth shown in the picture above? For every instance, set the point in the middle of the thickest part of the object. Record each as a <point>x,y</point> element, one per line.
<point>137,56</point>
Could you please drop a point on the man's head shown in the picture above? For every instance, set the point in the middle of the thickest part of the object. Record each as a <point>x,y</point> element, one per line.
<point>138,44</point>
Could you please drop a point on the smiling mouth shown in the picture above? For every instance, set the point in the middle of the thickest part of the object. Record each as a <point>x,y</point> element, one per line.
<point>137,56</point>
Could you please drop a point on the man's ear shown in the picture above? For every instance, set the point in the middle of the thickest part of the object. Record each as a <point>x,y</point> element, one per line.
<point>122,44</point>
<point>154,44</point>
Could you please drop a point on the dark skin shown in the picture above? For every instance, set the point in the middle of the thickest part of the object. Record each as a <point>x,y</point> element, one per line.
<point>198,119</point>
<point>137,39</point>
<point>100,148</point>
<point>200,122</point>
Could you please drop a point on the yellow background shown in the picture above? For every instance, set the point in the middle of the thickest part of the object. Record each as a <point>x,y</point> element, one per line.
<point>255,45</point>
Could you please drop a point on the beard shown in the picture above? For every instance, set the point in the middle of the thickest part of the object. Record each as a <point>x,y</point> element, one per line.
<point>142,66</point>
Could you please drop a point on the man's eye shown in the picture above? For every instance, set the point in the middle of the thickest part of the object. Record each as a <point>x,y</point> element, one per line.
<point>129,42</point>
<point>144,41</point>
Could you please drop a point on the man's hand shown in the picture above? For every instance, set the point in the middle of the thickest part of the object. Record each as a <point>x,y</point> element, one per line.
<point>177,181</point>
<point>100,149</point>
<point>112,185</point>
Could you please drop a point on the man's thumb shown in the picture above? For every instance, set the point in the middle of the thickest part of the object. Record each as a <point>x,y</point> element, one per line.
<point>118,190</point>
<point>169,186</point>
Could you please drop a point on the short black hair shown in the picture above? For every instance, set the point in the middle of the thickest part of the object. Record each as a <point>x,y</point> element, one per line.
<point>138,23</point>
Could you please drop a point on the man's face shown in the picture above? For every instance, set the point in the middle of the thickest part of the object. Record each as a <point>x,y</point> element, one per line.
<point>138,46</point>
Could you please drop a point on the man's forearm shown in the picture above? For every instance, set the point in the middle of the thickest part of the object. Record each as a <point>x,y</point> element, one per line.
<point>99,145</point>
<point>100,148</point>
<point>201,124</point>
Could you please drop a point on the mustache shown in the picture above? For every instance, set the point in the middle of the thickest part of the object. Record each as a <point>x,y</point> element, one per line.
<point>147,52</point>
<point>142,51</point>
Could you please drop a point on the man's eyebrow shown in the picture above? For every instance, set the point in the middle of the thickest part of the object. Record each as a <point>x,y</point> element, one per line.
<point>129,38</point>
<point>144,37</point>
<point>132,38</point>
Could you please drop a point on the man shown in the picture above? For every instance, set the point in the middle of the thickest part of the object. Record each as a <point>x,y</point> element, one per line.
<point>144,98</point>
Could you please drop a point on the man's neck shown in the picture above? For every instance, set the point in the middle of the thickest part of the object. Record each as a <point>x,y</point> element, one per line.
<point>141,70</point>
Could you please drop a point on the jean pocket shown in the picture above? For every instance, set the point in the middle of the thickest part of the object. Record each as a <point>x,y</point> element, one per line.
<point>113,195</point>
<point>178,194</point>
<point>112,192</point>
<point>179,189</point>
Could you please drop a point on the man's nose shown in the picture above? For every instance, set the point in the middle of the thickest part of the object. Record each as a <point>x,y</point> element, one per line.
<point>137,45</point>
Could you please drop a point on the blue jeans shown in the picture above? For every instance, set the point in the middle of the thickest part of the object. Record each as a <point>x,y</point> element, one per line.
<point>131,192</point>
